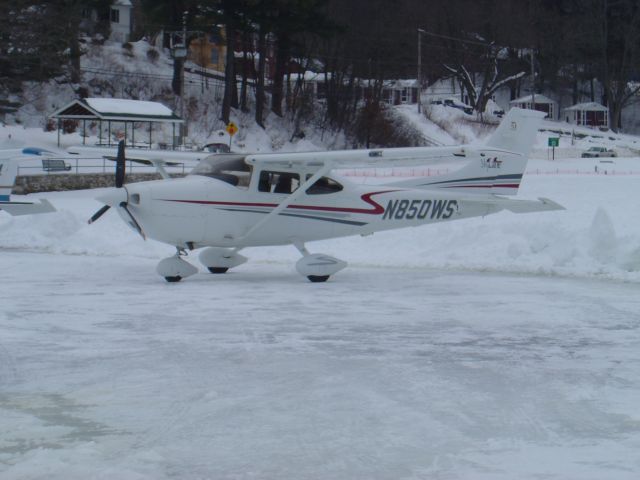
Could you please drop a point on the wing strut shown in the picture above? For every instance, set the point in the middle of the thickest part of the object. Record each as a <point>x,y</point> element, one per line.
<point>286,202</point>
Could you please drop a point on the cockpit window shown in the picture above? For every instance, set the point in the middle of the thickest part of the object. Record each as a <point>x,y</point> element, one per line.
<point>228,168</point>
<point>278,182</point>
<point>323,186</point>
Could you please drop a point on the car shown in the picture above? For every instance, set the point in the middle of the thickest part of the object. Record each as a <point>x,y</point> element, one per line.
<point>452,102</point>
<point>597,152</point>
<point>217,148</point>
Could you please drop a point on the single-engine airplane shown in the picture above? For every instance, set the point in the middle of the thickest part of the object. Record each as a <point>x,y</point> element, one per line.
<point>8,171</point>
<point>232,201</point>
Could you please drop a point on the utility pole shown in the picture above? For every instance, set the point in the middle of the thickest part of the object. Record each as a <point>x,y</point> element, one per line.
<point>420,32</point>
<point>533,83</point>
<point>183,110</point>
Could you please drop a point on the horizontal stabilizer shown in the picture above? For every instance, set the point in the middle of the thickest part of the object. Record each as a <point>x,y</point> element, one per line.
<point>27,208</point>
<point>527,206</point>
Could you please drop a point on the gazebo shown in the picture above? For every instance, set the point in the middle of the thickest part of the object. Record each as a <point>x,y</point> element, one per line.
<point>591,114</point>
<point>116,110</point>
<point>542,104</point>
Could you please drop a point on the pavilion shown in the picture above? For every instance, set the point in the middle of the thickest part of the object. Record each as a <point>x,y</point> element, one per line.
<point>117,110</point>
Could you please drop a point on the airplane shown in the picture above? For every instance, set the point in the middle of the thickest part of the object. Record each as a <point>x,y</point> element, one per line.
<point>8,171</point>
<point>232,201</point>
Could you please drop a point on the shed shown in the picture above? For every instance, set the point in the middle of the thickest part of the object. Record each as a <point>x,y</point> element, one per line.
<point>542,104</point>
<point>116,110</point>
<point>590,114</point>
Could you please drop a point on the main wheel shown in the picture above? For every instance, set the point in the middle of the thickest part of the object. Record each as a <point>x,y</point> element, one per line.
<point>318,278</point>
<point>177,278</point>
<point>218,269</point>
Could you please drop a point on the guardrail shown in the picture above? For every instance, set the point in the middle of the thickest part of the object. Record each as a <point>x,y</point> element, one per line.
<point>93,165</point>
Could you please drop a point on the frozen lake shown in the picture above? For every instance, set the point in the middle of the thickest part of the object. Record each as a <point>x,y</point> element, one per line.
<point>387,373</point>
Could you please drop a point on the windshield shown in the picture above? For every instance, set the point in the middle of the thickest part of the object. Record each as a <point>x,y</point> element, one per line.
<point>228,168</point>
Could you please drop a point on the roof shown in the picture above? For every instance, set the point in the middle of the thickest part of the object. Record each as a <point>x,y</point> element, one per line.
<point>122,3</point>
<point>587,106</point>
<point>116,109</point>
<point>527,99</point>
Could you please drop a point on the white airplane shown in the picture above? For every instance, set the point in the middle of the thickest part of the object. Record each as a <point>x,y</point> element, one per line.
<point>232,201</point>
<point>8,171</point>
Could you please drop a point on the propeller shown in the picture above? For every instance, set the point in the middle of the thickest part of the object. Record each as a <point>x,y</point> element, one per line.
<point>120,172</point>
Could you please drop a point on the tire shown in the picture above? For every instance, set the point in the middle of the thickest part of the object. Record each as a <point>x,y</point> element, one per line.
<point>175,279</point>
<point>318,278</point>
<point>218,269</point>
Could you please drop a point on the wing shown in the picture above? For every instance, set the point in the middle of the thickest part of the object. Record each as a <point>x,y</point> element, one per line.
<point>27,208</point>
<point>376,158</point>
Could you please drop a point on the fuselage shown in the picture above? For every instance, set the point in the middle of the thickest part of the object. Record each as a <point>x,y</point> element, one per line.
<point>199,211</point>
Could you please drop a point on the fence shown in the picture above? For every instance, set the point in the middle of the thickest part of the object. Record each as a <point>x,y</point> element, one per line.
<point>92,165</point>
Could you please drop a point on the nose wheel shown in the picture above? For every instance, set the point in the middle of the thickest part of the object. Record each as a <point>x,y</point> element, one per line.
<point>175,268</point>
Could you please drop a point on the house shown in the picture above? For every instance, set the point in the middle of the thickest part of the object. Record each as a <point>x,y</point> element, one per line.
<point>120,18</point>
<point>590,114</point>
<point>209,50</point>
<point>397,92</point>
<point>542,104</point>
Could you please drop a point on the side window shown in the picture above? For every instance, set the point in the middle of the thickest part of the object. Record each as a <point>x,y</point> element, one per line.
<point>278,182</point>
<point>323,186</point>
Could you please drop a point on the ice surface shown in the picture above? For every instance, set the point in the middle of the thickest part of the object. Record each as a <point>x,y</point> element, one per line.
<point>107,372</point>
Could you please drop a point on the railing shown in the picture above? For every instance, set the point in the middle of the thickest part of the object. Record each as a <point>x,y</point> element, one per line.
<point>95,165</point>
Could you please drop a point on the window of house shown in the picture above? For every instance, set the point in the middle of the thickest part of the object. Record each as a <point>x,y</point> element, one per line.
<point>115,15</point>
<point>215,57</point>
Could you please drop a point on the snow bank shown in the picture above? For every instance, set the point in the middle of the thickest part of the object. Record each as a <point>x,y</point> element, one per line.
<point>598,236</point>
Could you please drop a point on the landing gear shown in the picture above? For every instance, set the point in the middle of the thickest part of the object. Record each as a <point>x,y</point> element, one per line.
<point>318,278</point>
<point>217,269</point>
<point>219,260</point>
<point>174,269</point>
<point>317,267</point>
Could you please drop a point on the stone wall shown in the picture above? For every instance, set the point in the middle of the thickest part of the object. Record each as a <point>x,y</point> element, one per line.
<point>55,183</point>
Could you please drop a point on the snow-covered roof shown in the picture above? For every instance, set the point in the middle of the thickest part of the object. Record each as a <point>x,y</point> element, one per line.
<point>122,3</point>
<point>116,109</point>
<point>587,106</point>
<point>527,99</point>
<point>401,83</point>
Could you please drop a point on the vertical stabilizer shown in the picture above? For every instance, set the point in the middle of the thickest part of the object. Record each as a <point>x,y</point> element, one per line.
<point>495,167</point>
<point>8,172</point>
<point>517,131</point>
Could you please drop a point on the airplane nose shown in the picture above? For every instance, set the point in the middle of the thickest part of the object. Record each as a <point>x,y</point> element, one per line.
<point>113,197</point>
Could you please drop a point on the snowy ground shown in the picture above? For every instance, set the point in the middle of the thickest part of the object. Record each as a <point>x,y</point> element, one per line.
<point>496,348</point>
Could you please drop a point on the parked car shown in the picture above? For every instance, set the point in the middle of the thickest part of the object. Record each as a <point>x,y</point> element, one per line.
<point>217,148</point>
<point>452,102</point>
<point>596,152</point>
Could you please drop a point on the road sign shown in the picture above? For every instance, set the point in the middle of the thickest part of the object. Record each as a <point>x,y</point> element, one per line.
<point>232,129</point>
<point>554,142</point>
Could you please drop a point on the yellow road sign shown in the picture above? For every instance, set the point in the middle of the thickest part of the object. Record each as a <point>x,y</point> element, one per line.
<point>232,129</point>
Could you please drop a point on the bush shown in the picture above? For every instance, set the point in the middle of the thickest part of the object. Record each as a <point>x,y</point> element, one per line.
<point>153,55</point>
<point>128,49</point>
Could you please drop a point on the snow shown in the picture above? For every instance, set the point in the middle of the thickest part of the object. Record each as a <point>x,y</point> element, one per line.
<point>129,107</point>
<point>496,348</point>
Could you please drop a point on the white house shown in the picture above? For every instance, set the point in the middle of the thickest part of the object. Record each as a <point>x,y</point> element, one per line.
<point>120,17</point>
<point>542,104</point>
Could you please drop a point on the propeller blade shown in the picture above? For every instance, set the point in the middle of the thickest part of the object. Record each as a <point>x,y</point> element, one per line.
<point>98,214</point>
<point>120,165</point>
<point>132,221</point>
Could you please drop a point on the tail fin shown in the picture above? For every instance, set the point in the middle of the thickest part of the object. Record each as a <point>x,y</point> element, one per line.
<point>517,131</point>
<point>497,166</point>
<point>8,173</point>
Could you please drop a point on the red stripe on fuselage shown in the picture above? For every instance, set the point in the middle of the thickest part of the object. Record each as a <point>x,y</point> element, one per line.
<point>376,210</point>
